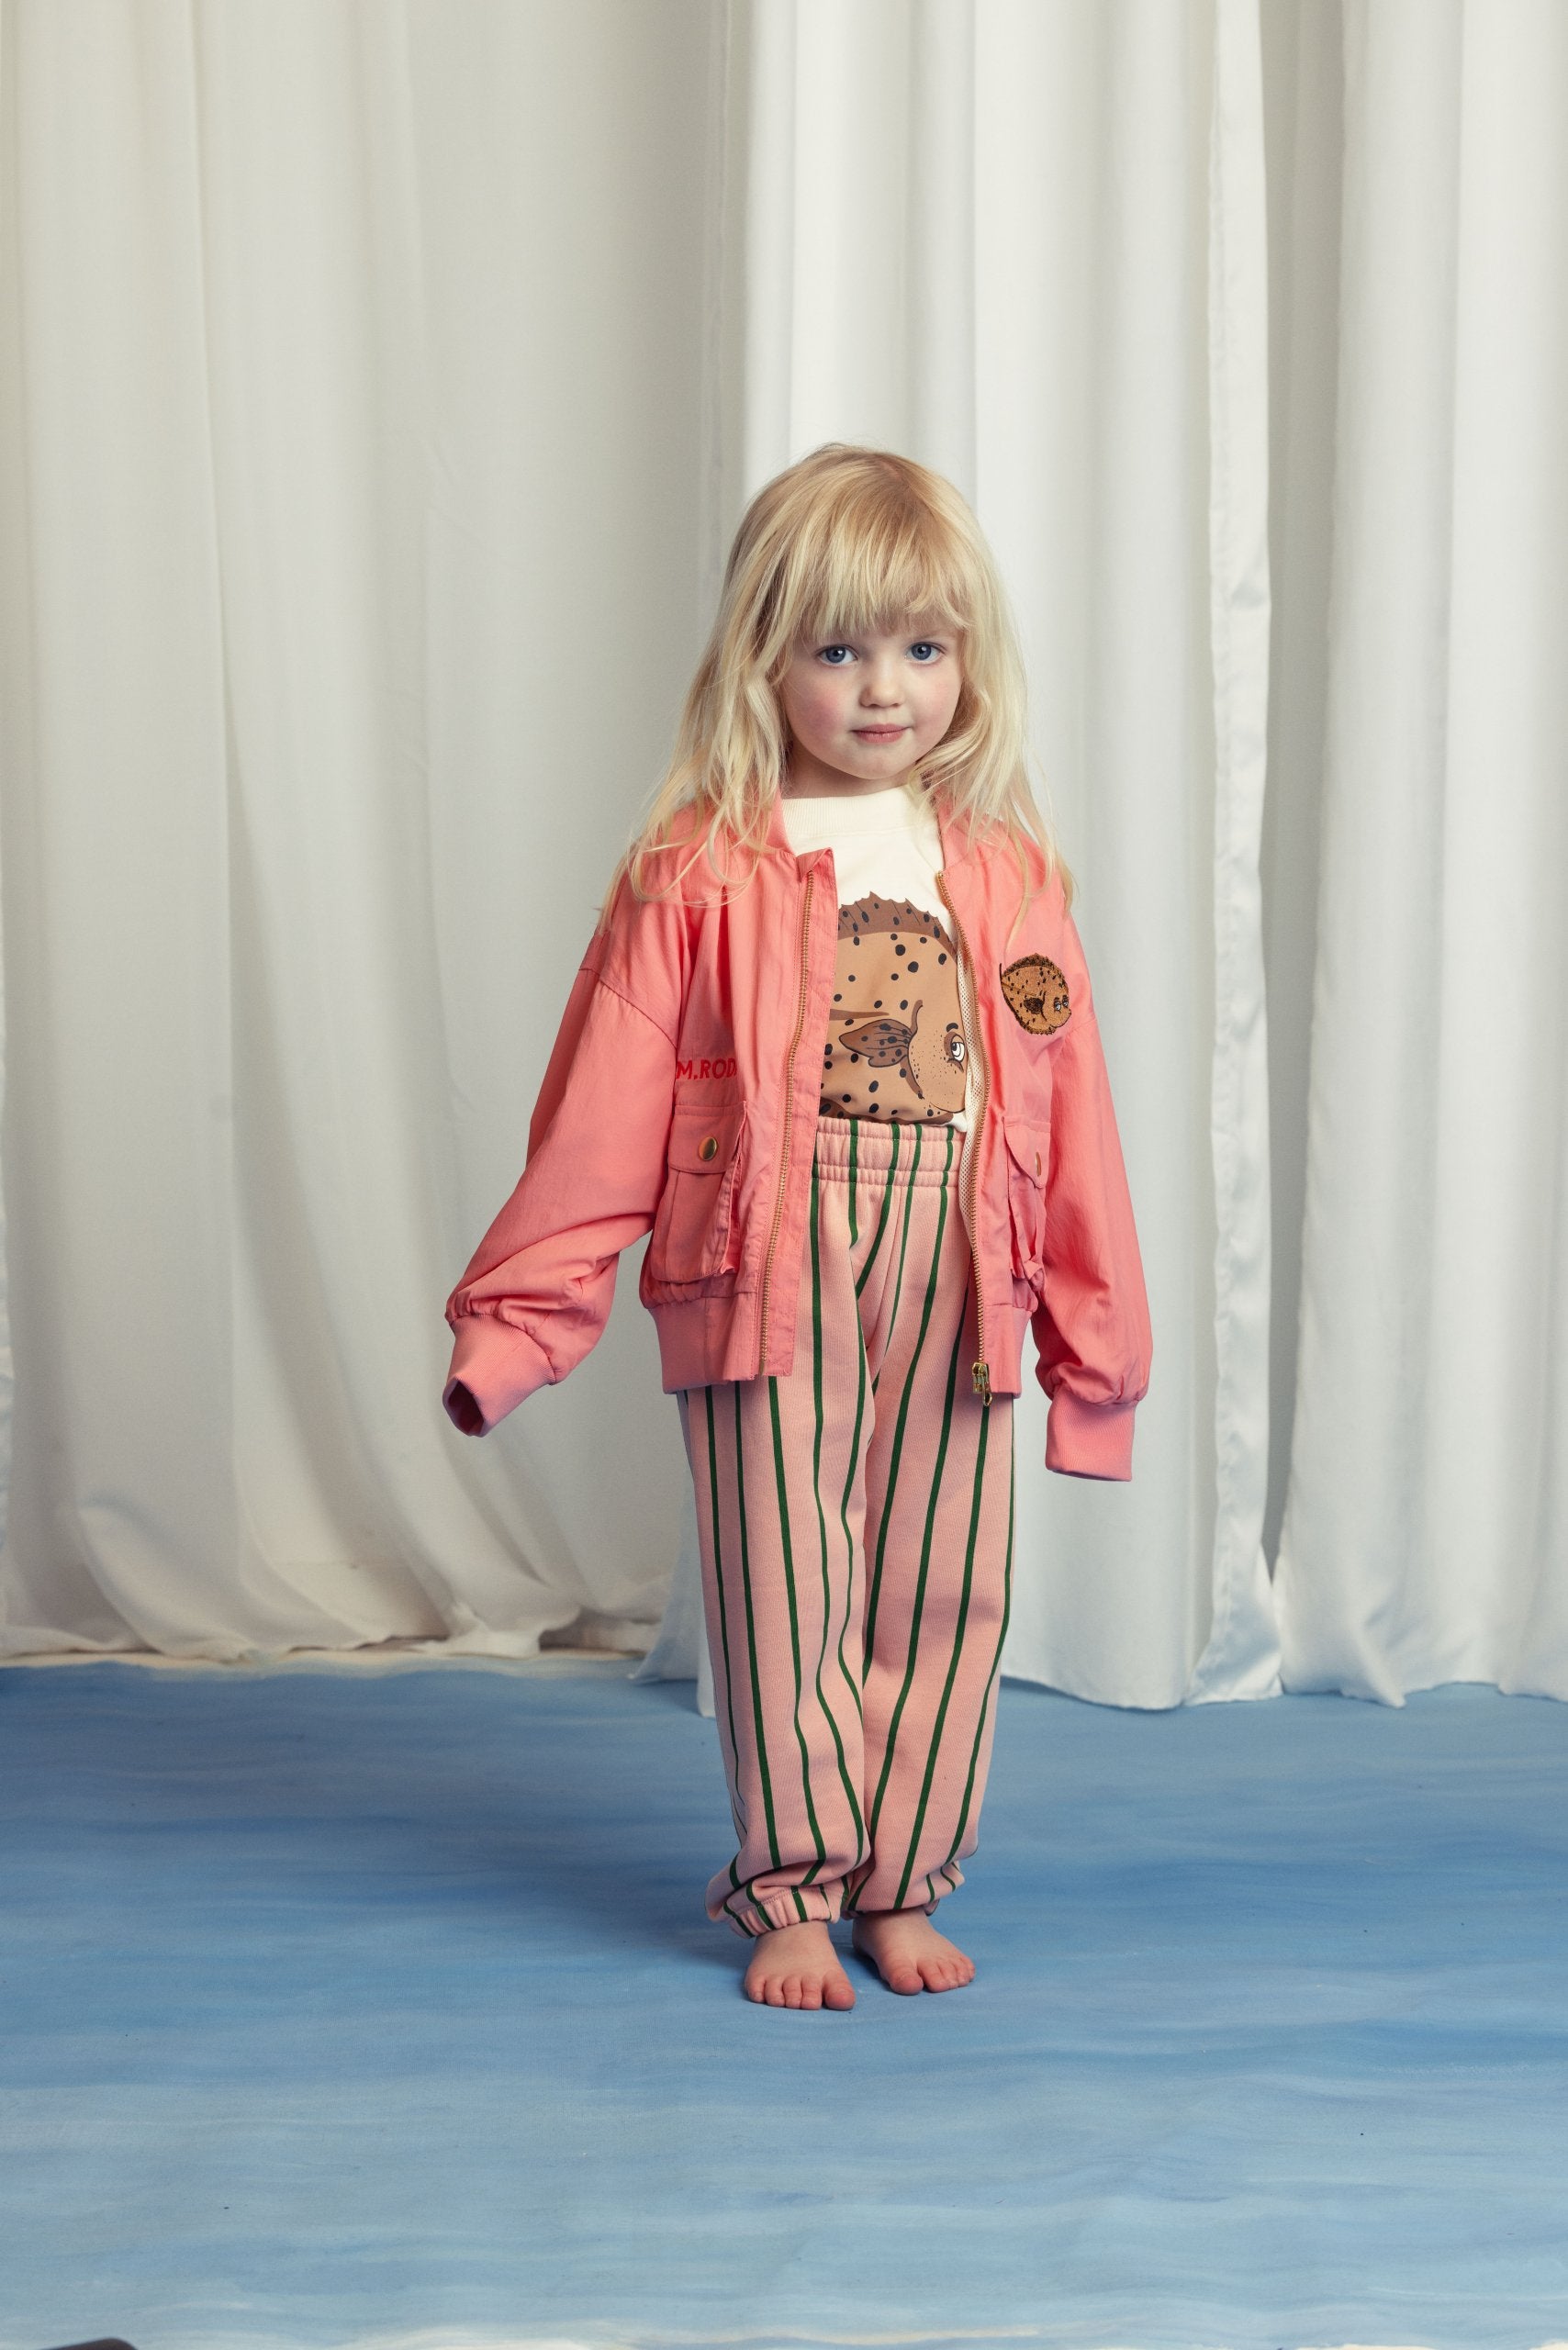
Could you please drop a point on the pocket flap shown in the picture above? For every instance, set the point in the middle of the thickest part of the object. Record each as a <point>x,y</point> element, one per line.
<point>702,1136</point>
<point>1030,1147</point>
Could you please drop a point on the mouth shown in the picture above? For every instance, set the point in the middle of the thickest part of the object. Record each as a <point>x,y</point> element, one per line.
<point>880,734</point>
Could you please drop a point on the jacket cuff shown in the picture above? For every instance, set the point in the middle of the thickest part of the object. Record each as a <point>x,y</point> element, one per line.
<point>499,1365</point>
<point>1088,1440</point>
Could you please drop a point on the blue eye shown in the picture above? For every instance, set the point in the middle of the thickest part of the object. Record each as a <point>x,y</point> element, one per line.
<point>923,650</point>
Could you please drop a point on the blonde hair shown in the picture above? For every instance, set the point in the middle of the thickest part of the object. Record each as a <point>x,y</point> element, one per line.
<point>847,541</point>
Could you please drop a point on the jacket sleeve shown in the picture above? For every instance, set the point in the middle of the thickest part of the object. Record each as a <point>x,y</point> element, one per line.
<point>1092,1326</point>
<point>536,1294</point>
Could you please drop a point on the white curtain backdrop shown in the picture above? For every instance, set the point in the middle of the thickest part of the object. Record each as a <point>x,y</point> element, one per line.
<point>1027,244</point>
<point>1426,1526</point>
<point>380,383</point>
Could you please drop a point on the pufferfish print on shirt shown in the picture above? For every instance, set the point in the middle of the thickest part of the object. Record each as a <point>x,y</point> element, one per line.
<point>895,1043</point>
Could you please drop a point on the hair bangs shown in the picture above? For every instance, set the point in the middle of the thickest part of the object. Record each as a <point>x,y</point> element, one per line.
<point>869,562</point>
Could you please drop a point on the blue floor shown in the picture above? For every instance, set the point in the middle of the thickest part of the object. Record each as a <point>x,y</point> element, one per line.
<point>339,2010</point>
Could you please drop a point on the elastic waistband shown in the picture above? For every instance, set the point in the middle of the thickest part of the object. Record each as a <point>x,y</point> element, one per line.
<point>898,1149</point>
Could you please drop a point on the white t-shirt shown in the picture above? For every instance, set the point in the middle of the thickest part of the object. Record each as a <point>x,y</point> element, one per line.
<point>899,1041</point>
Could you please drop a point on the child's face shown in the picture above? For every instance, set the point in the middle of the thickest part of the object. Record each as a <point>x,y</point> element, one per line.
<point>863,710</point>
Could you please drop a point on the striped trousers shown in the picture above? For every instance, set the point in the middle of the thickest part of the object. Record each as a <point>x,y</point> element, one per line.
<point>856,1528</point>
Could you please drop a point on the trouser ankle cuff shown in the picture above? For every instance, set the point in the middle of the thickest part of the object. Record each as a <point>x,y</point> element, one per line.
<point>759,1913</point>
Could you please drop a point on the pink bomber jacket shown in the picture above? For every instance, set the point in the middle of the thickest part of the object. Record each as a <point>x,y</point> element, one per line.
<point>681,1098</point>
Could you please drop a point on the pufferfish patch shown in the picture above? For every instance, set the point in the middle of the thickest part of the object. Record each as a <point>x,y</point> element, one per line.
<point>1037,994</point>
<point>895,1046</point>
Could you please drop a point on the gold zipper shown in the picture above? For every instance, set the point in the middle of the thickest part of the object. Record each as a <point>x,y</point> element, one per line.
<point>789,1122</point>
<point>981,1370</point>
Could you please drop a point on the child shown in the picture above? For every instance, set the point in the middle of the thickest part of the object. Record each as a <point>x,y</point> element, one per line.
<point>833,1043</point>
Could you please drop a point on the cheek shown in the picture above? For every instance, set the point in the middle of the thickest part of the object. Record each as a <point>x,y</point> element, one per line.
<point>943,700</point>
<point>814,704</point>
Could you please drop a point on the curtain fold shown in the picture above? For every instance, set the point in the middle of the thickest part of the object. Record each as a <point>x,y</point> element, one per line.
<point>115,855</point>
<point>1425,1524</point>
<point>380,384</point>
<point>333,466</point>
<point>1027,246</point>
<point>1241,1657</point>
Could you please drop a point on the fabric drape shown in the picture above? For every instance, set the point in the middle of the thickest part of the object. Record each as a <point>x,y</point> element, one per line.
<point>1426,1528</point>
<point>380,384</point>
<point>350,583</point>
<point>1073,325</point>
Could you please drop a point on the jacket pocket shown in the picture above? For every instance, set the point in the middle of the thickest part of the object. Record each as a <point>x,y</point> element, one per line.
<point>694,1238</point>
<point>1028,1158</point>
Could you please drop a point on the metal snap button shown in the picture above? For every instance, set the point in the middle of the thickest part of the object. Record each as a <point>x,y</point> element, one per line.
<point>708,1147</point>
<point>1037,1162</point>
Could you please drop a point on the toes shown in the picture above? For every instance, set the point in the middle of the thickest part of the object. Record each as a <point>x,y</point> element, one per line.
<point>801,1991</point>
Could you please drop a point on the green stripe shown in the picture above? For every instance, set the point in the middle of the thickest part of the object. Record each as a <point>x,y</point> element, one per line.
<point>789,1566</point>
<point>854,1204</point>
<point>787,1550</point>
<point>904,1250</point>
<point>876,1591</point>
<point>822,1521</point>
<point>737,1807</point>
<point>953,1662</point>
<point>751,1641</point>
<point>995,1663</point>
<point>844,1511</point>
<point>744,1923</point>
<point>918,1610</point>
<point>883,1218</point>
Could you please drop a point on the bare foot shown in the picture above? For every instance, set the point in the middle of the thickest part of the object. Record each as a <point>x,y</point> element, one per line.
<point>796,1967</point>
<point>909,1954</point>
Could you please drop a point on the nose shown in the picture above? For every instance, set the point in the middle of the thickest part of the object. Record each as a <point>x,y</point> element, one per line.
<point>881,688</point>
